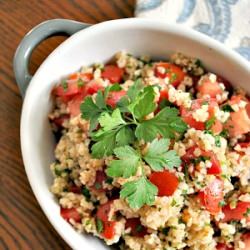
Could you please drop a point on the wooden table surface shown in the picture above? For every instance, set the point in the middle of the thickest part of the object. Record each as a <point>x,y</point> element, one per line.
<point>22,223</point>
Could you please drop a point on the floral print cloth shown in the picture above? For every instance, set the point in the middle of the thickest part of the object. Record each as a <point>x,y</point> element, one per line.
<point>225,20</point>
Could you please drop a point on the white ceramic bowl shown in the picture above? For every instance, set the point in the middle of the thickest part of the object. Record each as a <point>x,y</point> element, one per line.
<point>97,44</point>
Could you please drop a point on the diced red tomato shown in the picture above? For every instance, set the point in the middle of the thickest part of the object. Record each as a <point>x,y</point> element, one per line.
<point>209,88</point>
<point>173,72</point>
<point>73,76</point>
<point>237,213</point>
<point>72,87</point>
<point>212,195</point>
<point>189,155</point>
<point>86,77</point>
<point>75,189</point>
<point>222,246</point>
<point>109,229</point>
<point>213,170</point>
<point>246,240</point>
<point>74,104</point>
<point>187,115</point>
<point>114,97</point>
<point>70,213</point>
<point>60,120</point>
<point>136,227</point>
<point>165,181</point>
<point>92,87</point>
<point>238,123</point>
<point>99,179</point>
<point>108,225</point>
<point>244,144</point>
<point>103,211</point>
<point>163,95</point>
<point>113,73</point>
<point>217,127</point>
<point>188,118</point>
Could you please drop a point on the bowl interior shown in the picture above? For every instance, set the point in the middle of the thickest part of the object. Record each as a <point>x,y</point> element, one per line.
<point>98,44</point>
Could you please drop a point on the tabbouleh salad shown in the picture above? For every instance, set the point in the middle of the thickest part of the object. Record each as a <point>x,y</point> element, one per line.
<point>153,155</point>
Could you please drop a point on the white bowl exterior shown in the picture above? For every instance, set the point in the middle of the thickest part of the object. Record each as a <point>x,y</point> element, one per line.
<point>97,44</point>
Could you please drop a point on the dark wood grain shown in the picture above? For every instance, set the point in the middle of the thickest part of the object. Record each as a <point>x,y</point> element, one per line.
<point>22,223</point>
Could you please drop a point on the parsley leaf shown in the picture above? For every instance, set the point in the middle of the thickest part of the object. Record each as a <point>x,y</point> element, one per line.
<point>105,145</point>
<point>125,136</point>
<point>123,104</point>
<point>158,156</point>
<point>127,165</point>
<point>166,123</point>
<point>109,122</point>
<point>139,192</point>
<point>143,104</point>
<point>135,89</point>
<point>91,111</point>
<point>106,137</point>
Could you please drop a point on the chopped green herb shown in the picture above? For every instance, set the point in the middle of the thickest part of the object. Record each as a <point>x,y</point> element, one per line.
<point>224,133</point>
<point>247,213</point>
<point>139,228</point>
<point>227,108</point>
<point>205,103</point>
<point>86,193</point>
<point>217,141</point>
<point>173,77</point>
<point>222,203</point>
<point>165,230</point>
<point>198,63</point>
<point>98,185</point>
<point>186,172</point>
<point>109,180</point>
<point>173,203</point>
<point>209,123</point>
<point>64,85</point>
<point>99,225</point>
<point>59,172</point>
<point>87,222</point>
<point>200,159</point>
<point>208,132</point>
<point>80,83</point>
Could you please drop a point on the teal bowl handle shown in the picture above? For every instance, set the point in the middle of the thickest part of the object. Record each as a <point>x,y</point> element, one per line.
<point>32,39</point>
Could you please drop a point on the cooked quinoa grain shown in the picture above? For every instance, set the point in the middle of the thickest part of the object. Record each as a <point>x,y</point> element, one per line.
<point>156,158</point>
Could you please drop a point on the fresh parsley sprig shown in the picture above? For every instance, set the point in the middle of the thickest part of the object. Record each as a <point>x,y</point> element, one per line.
<point>127,122</point>
<point>158,157</point>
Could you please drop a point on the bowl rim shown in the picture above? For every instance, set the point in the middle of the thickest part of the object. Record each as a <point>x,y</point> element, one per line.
<point>156,25</point>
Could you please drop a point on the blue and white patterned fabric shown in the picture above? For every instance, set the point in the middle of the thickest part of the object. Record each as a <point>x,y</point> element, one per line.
<point>225,20</point>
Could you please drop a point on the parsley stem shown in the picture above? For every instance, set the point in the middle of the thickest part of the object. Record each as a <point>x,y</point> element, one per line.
<point>134,119</point>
